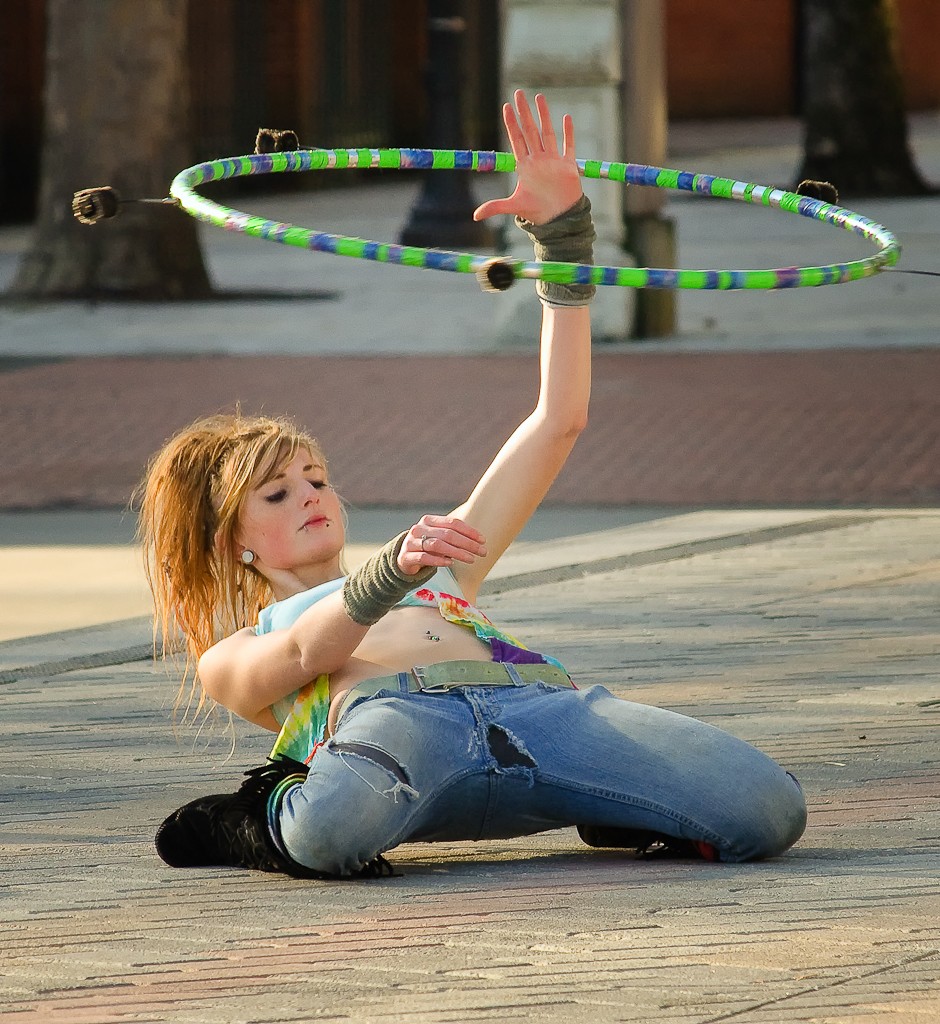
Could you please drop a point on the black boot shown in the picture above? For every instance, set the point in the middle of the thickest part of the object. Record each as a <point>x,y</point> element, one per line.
<point>646,843</point>
<point>232,829</point>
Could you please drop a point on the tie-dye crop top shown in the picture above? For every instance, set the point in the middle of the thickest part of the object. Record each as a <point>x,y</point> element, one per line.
<point>302,715</point>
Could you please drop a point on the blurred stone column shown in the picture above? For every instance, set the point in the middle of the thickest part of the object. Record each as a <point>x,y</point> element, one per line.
<point>650,236</point>
<point>571,52</point>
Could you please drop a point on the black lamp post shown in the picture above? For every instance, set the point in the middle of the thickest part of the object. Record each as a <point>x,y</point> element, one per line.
<point>442,216</point>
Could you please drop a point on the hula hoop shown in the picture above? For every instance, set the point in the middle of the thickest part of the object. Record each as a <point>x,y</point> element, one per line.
<point>185,183</point>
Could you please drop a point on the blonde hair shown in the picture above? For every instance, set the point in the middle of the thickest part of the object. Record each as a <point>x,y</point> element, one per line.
<point>190,500</point>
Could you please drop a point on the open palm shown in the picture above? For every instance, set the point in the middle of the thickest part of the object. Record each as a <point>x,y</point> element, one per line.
<point>547,181</point>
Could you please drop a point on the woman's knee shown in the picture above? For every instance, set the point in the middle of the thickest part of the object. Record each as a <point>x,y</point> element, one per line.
<point>770,820</point>
<point>355,802</point>
<point>789,816</point>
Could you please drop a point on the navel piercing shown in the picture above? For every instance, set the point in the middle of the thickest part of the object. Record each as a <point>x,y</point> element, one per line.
<point>430,636</point>
<point>248,556</point>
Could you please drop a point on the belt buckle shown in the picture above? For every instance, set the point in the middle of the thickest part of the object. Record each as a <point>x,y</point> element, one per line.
<point>419,674</point>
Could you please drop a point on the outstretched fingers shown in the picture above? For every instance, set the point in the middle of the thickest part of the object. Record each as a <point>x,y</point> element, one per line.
<point>546,128</point>
<point>531,131</point>
<point>567,127</point>
<point>517,139</point>
<point>547,182</point>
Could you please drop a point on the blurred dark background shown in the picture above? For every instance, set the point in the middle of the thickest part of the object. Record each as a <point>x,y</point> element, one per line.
<point>351,73</point>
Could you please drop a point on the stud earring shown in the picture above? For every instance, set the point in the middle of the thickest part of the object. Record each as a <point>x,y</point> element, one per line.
<point>248,556</point>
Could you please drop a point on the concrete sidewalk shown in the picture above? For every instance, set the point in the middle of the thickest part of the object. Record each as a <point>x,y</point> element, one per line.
<point>70,569</point>
<point>811,634</point>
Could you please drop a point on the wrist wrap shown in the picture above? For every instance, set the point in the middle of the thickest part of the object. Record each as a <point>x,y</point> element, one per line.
<point>567,238</point>
<point>378,585</point>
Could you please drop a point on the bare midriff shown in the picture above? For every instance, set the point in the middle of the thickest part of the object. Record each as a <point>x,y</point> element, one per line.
<point>401,639</point>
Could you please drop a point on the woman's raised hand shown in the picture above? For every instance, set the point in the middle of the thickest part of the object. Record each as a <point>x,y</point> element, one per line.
<point>439,540</point>
<point>547,181</point>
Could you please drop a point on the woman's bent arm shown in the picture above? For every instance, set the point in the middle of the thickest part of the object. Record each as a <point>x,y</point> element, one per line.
<point>246,673</point>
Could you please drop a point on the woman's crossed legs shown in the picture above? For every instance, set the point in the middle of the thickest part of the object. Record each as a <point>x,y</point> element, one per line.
<point>486,762</point>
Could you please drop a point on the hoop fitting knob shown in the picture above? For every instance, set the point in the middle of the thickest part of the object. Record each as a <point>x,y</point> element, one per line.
<point>273,140</point>
<point>496,275</point>
<point>94,204</point>
<point>823,190</point>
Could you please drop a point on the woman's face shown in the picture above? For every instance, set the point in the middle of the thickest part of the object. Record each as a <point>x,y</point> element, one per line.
<point>294,520</point>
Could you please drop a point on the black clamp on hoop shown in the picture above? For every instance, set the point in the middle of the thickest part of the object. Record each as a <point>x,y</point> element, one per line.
<point>102,203</point>
<point>273,140</point>
<point>823,190</point>
<point>94,204</point>
<point>496,275</point>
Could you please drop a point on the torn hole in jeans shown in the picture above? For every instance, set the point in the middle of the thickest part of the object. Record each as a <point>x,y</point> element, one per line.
<point>380,757</point>
<point>509,751</point>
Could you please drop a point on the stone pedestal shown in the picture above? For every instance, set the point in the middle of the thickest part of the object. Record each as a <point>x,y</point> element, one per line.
<point>651,241</point>
<point>603,62</point>
<point>649,235</point>
<point>571,52</point>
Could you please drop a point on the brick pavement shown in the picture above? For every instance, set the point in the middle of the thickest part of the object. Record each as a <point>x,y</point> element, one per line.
<point>819,645</point>
<point>773,428</point>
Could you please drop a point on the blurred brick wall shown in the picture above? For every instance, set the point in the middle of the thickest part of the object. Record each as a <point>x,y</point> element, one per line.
<point>346,72</point>
<point>727,59</point>
<point>730,58</point>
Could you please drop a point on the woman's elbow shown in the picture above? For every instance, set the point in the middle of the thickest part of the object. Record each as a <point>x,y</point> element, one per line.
<point>210,678</point>
<point>579,425</point>
<point>571,428</point>
<point>564,425</point>
<point>225,689</point>
<point>221,672</point>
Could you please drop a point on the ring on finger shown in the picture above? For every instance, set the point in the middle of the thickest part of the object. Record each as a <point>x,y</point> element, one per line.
<point>423,541</point>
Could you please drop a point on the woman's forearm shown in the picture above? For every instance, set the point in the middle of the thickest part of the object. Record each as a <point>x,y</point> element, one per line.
<point>565,367</point>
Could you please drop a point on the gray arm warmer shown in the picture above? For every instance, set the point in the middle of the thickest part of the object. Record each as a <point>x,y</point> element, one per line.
<point>568,238</point>
<point>378,585</point>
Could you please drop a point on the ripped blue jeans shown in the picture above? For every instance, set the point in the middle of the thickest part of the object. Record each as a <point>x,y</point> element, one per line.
<point>495,762</point>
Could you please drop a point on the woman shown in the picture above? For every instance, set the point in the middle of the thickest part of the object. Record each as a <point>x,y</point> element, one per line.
<point>402,713</point>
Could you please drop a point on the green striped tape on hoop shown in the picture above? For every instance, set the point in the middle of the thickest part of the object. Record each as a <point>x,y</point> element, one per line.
<point>184,186</point>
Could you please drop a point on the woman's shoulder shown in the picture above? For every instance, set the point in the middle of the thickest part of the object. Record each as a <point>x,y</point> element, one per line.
<point>282,614</point>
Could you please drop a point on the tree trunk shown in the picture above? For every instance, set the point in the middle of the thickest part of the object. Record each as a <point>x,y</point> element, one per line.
<point>853,99</point>
<point>116,113</point>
